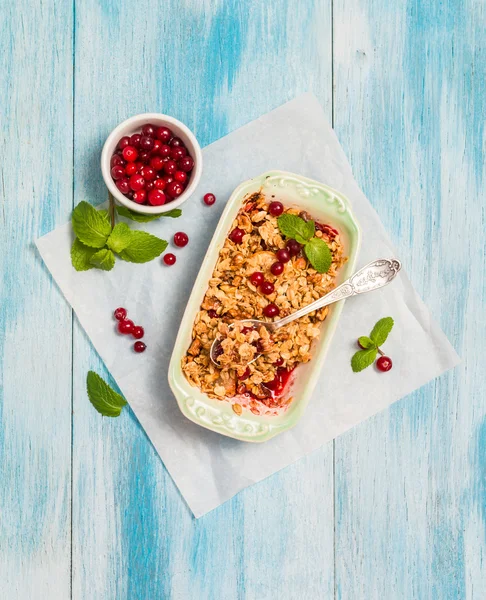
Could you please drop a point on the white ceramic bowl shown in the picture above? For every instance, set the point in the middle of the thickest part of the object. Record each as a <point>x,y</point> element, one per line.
<point>134,125</point>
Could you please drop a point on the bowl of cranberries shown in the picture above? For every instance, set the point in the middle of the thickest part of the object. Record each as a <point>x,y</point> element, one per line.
<point>151,163</point>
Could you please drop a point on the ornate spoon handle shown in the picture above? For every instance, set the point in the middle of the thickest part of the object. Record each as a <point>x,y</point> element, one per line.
<point>373,276</point>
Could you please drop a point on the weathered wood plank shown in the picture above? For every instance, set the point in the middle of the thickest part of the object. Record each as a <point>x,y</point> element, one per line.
<point>410,110</point>
<point>215,66</point>
<point>35,322</point>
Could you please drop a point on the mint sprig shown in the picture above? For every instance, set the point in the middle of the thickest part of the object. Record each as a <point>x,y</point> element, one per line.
<point>143,247</point>
<point>97,244</point>
<point>363,359</point>
<point>371,345</point>
<point>123,211</point>
<point>92,227</point>
<point>381,330</point>
<point>318,254</point>
<point>315,249</point>
<point>104,259</point>
<point>106,401</point>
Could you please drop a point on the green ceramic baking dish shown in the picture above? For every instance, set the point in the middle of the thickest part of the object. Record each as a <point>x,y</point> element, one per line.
<point>325,205</point>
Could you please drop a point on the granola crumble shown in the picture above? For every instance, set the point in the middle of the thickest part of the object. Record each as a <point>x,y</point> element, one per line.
<point>232,297</point>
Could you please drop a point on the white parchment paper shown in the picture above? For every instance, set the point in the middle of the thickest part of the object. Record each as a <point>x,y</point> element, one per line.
<point>207,467</point>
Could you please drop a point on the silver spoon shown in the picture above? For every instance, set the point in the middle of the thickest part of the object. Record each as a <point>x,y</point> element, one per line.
<point>373,276</point>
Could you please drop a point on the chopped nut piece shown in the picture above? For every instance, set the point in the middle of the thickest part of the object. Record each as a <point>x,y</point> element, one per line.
<point>237,409</point>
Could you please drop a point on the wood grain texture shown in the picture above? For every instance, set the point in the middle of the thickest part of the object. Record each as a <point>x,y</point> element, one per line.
<point>35,321</point>
<point>410,110</point>
<point>215,66</point>
<point>394,509</point>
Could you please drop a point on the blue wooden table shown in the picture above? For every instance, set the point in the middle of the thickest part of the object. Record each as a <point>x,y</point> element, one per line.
<point>394,509</point>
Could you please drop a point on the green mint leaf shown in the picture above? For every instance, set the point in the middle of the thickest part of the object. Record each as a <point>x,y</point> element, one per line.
<point>365,342</point>
<point>363,359</point>
<point>103,397</point>
<point>302,241</point>
<point>81,256</point>
<point>129,214</point>
<point>294,227</point>
<point>319,255</point>
<point>143,247</point>
<point>120,238</point>
<point>381,330</point>
<point>91,226</point>
<point>103,259</point>
<point>310,229</point>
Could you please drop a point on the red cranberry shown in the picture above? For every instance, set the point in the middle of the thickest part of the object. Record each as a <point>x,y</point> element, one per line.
<point>169,258</point>
<point>181,239</point>
<point>149,130</point>
<point>135,140</point>
<point>293,247</point>
<point>180,176</point>
<point>157,162</point>
<point>186,164</point>
<point>140,196</point>
<point>259,346</point>
<point>164,150</point>
<point>327,229</point>
<point>147,143</point>
<point>384,363</point>
<point>159,183</point>
<point>164,134</point>
<point>212,313</point>
<point>245,375</point>
<point>157,146</point>
<point>174,189</point>
<point>275,208</point>
<point>218,351</point>
<point>267,288</point>
<point>131,168</point>
<point>130,153</point>
<point>148,173</point>
<point>271,310</point>
<point>124,142</point>
<point>139,347</point>
<point>138,332</point>
<point>139,164</point>
<point>257,278</point>
<point>137,182</point>
<point>123,185</point>
<point>130,195</point>
<point>156,197</point>
<point>277,268</point>
<point>279,362</point>
<point>120,314</point>
<point>149,186</point>
<point>178,152</point>
<point>168,179</point>
<point>175,142</point>
<point>236,235</point>
<point>209,199</point>
<point>145,157</point>
<point>283,255</point>
<point>117,172</point>
<point>116,160</point>
<point>126,326</point>
<point>170,167</point>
